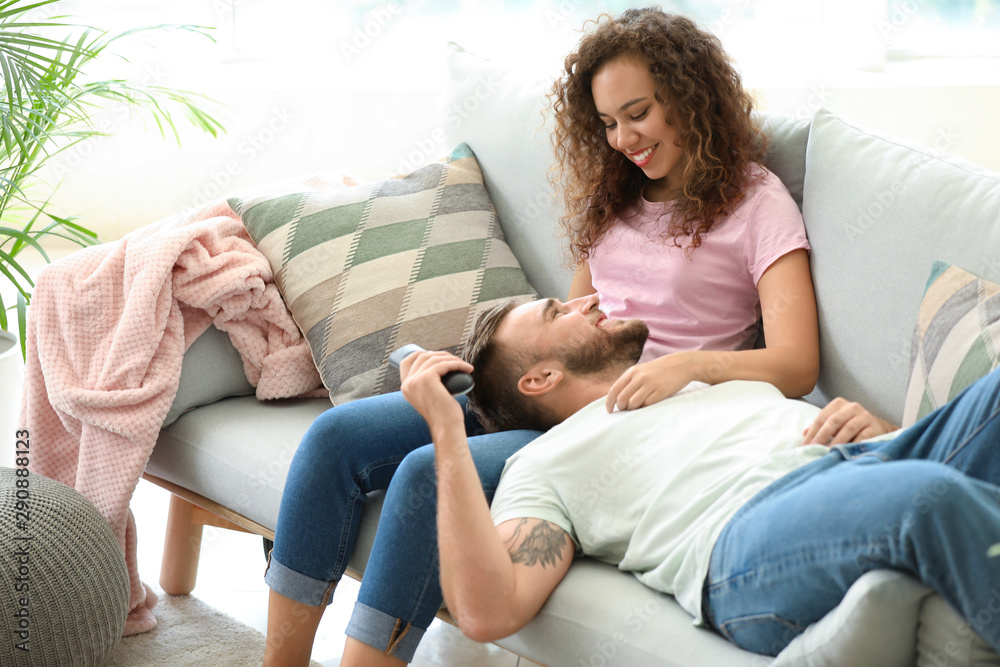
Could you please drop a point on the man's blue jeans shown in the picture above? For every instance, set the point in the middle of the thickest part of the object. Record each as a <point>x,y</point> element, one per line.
<point>926,502</point>
<point>348,452</point>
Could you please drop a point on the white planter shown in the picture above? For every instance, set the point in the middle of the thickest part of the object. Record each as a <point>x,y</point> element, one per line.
<point>11,382</point>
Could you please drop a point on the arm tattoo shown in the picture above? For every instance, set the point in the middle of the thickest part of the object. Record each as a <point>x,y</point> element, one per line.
<point>543,545</point>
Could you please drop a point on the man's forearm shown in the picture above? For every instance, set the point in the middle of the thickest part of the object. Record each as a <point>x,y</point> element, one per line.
<point>477,575</point>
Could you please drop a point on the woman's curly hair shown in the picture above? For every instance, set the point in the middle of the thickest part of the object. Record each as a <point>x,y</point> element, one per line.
<point>701,90</point>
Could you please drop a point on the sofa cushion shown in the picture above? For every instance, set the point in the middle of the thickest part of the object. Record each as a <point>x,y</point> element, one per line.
<point>236,452</point>
<point>366,269</point>
<point>879,211</point>
<point>915,626</point>
<point>212,370</point>
<point>885,599</point>
<point>599,615</point>
<point>956,340</point>
<point>788,137</point>
<point>945,639</point>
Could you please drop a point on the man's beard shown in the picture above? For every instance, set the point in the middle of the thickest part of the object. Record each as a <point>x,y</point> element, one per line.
<point>610,353</point>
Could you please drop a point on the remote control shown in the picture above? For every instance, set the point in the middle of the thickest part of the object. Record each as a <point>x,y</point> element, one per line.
<point>455,382</point>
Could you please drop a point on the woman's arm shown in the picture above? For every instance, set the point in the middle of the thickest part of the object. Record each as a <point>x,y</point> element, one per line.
<point>791,330</point>
<point>790,361</point>
<point>582,284</point>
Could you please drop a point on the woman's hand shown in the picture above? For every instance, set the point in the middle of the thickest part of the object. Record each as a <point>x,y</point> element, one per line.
<point>652,381</point>
<point>843,421</point>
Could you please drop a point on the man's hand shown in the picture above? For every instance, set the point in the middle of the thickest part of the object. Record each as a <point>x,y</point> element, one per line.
<point>421,373</point>
<point>843,421</point>
<point>651,382</point>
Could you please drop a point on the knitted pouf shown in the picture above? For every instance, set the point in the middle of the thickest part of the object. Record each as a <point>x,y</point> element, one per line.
<point>63,582</point>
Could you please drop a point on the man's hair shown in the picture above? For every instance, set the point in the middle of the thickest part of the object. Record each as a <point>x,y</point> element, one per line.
<point>495,399</point>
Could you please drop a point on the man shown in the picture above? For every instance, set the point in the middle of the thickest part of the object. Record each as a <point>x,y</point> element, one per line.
<point>706,495</point>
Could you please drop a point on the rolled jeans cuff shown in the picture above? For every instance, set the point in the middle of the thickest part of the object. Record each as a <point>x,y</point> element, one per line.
<point>297,586</point>
<point>384,633</point>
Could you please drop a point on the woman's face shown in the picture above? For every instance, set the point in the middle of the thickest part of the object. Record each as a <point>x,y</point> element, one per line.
<point>635,123</point>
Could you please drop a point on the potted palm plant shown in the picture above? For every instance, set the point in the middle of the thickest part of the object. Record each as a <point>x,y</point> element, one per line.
<point>46,107</point>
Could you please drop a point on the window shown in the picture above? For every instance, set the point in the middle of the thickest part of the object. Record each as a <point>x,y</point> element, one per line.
<point>924,28</point>
<point>397,44</point>
<point>356,84</point>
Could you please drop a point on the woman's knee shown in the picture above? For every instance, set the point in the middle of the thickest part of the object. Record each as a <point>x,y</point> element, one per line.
<point>330,454</point>
<point>414,486</point>
<point>323,443</point>
<point>337,424</point>
<point>377,425</point>
<point>417,468</point>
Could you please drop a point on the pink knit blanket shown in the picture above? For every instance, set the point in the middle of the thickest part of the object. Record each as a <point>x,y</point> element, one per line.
<point>106,333</point>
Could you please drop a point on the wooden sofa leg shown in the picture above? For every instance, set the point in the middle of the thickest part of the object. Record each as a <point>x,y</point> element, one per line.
<point>181,548</point>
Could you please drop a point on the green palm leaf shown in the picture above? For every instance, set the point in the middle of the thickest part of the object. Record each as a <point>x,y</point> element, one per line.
<point>46,108</point>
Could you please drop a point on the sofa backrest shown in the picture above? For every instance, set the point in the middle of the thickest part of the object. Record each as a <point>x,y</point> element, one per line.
<point>878,212</point>
<point>498,112</point>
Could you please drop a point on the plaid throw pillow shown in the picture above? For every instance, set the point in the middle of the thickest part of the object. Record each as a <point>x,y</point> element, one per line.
<point>366,269</point>
<point>956,340</point>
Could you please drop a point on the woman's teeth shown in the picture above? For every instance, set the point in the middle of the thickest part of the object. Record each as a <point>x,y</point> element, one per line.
<point>639,157</point>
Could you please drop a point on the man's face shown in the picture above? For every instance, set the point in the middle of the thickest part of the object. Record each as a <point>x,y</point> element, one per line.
<point>576,332</point>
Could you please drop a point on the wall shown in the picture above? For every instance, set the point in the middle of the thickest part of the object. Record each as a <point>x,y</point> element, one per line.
<point>366,100</point>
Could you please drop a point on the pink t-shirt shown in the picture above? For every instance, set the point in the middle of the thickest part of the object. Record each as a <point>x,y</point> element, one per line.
<point>701,300</point>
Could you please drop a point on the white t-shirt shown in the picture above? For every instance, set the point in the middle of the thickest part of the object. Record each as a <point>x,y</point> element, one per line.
<point>650,490</point>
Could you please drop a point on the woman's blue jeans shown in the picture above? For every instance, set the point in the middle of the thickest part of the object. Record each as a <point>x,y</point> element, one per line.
<point>926,502</point>
<point>348,452</point>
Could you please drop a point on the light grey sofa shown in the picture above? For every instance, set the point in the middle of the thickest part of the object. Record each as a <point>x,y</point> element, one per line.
<point>879,211</point>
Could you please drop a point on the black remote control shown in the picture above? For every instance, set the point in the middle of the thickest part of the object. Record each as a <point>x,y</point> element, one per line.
<point>456,382</point>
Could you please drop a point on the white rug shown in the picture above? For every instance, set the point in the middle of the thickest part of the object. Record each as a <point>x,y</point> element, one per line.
<point>189,633</point>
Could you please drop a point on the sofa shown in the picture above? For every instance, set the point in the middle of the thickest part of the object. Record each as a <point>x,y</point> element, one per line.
<point>888,220</point>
